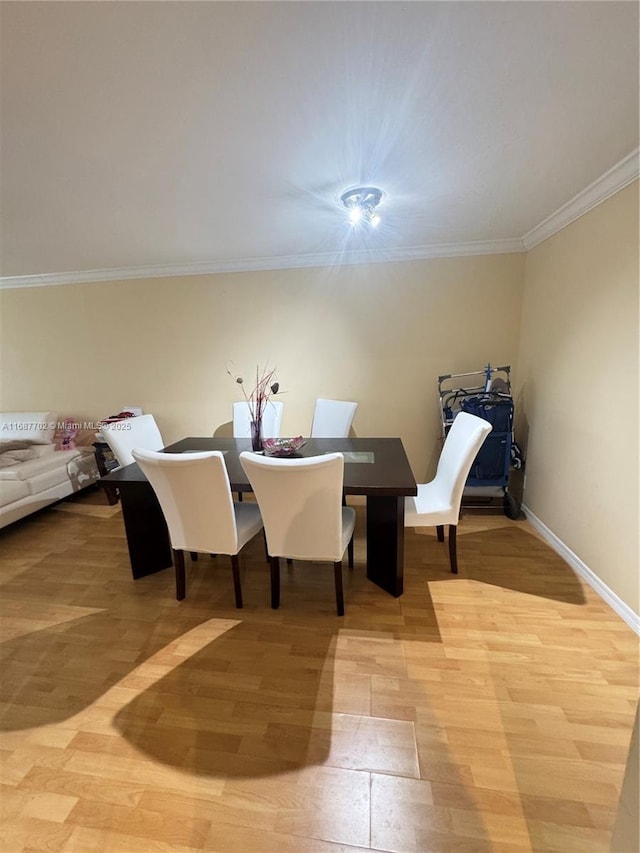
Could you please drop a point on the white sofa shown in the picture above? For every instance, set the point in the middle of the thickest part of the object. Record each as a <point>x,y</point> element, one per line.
<point>33,473</point>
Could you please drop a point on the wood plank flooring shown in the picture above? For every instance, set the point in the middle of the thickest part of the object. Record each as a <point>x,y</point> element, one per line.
<point>486,712</point>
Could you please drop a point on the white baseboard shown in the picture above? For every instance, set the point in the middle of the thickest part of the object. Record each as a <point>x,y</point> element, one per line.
<point>614,601</point>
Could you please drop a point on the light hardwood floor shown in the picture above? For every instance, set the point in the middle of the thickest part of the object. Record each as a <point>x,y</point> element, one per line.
<point>486,712</point>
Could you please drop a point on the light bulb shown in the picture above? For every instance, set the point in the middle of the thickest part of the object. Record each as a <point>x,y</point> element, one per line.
<point>361,203</point>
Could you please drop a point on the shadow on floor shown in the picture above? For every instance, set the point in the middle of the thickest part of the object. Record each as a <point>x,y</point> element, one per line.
<point>511,557</point>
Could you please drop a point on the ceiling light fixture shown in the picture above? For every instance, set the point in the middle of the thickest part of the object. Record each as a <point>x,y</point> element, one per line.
<point>361,202</point>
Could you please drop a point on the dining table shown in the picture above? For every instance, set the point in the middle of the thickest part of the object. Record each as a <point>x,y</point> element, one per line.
<point>376,468</point>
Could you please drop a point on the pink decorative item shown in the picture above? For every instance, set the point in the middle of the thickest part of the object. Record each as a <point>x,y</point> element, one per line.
<point>68,434</point>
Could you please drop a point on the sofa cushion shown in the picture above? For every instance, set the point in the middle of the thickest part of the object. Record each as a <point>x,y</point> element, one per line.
<point>12,444</point>
<point>37,427</point>
<point>40,465</point>
<point>43,450</point>
<point>37,450</point>
<point>47,480</point>
<point>11,458</point>
<point>12,490</point>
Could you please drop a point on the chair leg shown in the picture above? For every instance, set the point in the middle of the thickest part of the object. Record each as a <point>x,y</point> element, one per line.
<point>194,555</point>
<point>453,557</point>
<point>237,588</point>
<point>440,532</point>
<point>337,569</point>
<point>350,553</point>
<point>266,549</point>
<point>275,582</point>
<point>240,497</point>
<point>178,562</point>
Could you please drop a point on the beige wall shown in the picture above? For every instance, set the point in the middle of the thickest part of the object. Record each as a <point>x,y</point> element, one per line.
<point>577,390</point>
<point>379,334</point>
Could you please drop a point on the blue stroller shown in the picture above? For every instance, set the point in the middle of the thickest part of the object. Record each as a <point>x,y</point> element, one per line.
<point>487,394</point>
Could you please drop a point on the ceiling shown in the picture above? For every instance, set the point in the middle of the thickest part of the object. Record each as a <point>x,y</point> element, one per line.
<point>160,137</point>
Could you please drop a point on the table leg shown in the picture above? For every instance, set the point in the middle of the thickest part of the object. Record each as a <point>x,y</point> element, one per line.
<point>147,534</point>
<point>385,542</point>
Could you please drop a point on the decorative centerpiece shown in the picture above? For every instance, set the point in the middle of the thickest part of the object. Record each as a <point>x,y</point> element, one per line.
<point>258,400</point>
<point>283,446</point>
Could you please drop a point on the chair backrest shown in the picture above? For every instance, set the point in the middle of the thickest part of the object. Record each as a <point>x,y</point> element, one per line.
<point>332,418</point>
<point>271,419</point>
<point>195,496</point>
<point>123,436</point>
<point>464,439</point>
<point>301,504</point>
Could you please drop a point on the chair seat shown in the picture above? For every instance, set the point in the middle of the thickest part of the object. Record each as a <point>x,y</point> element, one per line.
<point>429,508</point>
<point>248,521</point>
<point>348,526</point>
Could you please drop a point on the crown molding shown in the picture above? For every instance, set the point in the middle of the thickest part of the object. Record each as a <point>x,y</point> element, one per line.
<point>325,259</point>
<point>614,180</point>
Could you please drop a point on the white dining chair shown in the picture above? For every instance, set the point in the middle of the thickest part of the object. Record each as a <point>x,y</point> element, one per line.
<point>195,497</point>
<point>301,505</point>
<point>271,419</point>
<point>332,418</point>
<point>122,436</point>
<point>438,502</point>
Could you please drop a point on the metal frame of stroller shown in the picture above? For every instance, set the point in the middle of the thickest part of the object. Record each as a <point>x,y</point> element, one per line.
<point>492,384</point>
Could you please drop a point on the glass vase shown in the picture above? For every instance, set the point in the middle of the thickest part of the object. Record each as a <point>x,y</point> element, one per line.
<point>256,436</point>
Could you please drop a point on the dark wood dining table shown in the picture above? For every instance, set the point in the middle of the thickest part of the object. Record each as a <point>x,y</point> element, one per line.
<point>376,468</point>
